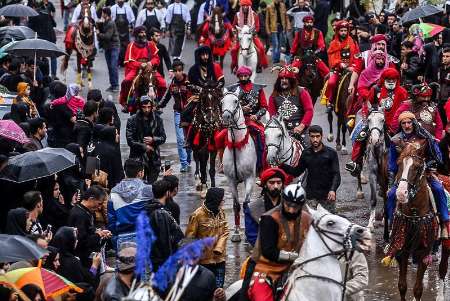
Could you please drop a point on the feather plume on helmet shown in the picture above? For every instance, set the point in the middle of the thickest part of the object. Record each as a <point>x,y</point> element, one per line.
<point>286,71</point>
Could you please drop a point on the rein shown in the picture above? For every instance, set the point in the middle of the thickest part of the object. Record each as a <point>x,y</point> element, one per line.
<point>347,251</point>
<point>412,186</point>
<point>250,46</point>
<point>280,145</point>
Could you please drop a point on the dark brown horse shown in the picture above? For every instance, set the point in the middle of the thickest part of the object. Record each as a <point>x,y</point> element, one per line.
<point>80,38</point>
<point>414,228</point>
<point>143,84</point>
<point>309,76</point>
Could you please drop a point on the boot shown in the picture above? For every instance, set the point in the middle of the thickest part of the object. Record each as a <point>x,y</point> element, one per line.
<point>329,108</point>
<point>353,167</point>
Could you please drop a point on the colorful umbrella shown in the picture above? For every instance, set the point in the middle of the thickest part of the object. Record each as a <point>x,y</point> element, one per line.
<point>7,283</point>
<point>430,30</point>
<point>52,284</point>
<point>10,130</point>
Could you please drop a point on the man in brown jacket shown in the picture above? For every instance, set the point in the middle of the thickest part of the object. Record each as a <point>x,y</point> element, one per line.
<point>210,221</point>
<point>277,24</point>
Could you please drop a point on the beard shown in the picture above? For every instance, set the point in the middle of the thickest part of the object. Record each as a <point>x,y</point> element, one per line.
<point>285,86</point>
<point>290,216</point>
<point>274,193</point>
<point>380,65</point>
<point>142,39</point>
<point>342,37</point>
<point>308,27</point>
<point>244,81</point>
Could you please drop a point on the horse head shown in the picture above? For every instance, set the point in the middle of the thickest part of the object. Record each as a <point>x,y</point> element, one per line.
<point>86,25</point>
<point>217,20</point>
<point>309,67</point>
<point>245,35</point>
<point>338,234</point>
<point>411,171</point>
<point>275,134</point>
<point>231,109</point>
<point>376,127</point>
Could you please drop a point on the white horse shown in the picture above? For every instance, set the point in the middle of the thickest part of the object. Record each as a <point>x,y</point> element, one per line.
<point>376,155</point>
<point>239,157</point>
<point>247,51</point>
<point>281,148</point>
<point>318,274</point>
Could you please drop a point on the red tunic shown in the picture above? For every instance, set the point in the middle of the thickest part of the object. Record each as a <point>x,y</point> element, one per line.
<point>334,52</point>
<point>304,100</point>
<point>305,39</point>
<point>135,56</point>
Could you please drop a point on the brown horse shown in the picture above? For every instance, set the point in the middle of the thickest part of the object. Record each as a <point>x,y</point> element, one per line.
<point>80,38</point>
<point>414,228</point>
<point>144,83</point>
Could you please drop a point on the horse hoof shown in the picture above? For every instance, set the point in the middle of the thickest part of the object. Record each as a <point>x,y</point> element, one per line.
<point>236,237</point>
<point>90,85</point>
<point>338,147</point>
<point>364,179</point>
<point>330,137</point>
<point>360,195</point>
<point>344,151</point>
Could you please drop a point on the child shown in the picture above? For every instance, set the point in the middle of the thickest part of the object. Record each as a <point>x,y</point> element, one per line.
<point>73,101</point>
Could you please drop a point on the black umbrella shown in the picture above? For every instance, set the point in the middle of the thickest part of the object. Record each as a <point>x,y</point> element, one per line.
<point>420,12</point>
<point>35,47</point>
<point>37,164</point>
<point>16,33</point>
<point>16,248</point>
<point>17,10</point>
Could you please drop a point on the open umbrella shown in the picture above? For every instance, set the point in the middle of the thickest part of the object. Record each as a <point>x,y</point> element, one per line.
<point>16,33</point>
<point>430,30</point>
<point>3,49</point>
<point>15,248</point>
<point>10,130</point>
<point>17,10</point>
<point>7,283</point>
<point>52,284</point>
<point>420,12</point>
<point>37,164</point>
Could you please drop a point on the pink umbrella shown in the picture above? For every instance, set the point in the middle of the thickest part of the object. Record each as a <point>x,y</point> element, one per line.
<point>10,130</point>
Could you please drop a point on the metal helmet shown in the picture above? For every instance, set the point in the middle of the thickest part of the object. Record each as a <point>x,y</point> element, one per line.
<point>294,193</point>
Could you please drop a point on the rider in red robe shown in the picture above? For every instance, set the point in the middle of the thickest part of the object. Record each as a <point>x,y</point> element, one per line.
<point>219,45</point>
<point>139,54</point>
<point>341,56</point>
<point>309,39</point>
<point>246,16</point>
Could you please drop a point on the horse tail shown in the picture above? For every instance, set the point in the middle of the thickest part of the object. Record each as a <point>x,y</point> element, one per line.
<point>65,63</point>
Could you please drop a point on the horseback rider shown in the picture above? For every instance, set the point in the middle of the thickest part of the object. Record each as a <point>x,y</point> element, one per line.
<point>282,231</point>
<point>140,54</point>
<point>424,109</point>
<point>272,182</point>
<point>387,95</point>
<point>291,102</point>
<point>369,68</point>
<point>412,132</point>
<point>246,16</point>
<point>341,57</point>
<point>80,12</point>
<point>309,39</point>
<point>254,104</point>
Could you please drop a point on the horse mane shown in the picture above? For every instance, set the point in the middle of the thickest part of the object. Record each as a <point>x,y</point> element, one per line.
<point>411,150</point>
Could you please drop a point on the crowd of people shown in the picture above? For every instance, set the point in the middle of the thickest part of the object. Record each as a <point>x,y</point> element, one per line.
<point>85,215</point>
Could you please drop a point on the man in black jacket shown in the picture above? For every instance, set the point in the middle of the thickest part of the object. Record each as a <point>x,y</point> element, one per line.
<point>411,67</point>
<point>167,231</point>
<point>321,183</point>
<point>433,52</point>
<point>84,126</point>
<point>96,95</point>
<point>145,133</point>
<point>82,217</point>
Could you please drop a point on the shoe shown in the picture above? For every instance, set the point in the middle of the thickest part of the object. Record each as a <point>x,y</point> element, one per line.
<point>115,89</point>
<point>329,108</point>
<point>258,69</point>
<point>110,89</point>
<point>54,77</point>
<point>353,168</point>
<point>184,169</point>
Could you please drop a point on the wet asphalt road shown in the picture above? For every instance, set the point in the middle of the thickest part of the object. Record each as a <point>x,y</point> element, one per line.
<point>383,281</point>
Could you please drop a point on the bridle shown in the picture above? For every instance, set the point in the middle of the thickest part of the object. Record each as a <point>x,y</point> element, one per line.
<point>413,186</point>
<point>237,110</point>
<point>348,248</point>
<point>375,128</point>
<point>250,45</point>
<point>279,146</point>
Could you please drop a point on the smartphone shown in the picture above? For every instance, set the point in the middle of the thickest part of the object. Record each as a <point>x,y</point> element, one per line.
<point>49,229</point>
<point>166,165</point>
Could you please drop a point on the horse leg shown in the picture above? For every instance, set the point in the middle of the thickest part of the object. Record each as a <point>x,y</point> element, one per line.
<point>197,182</point>
<point>338,138</point>
<point>344,143</point>
<point>359,192</point>
<point>79,78</point>
<point>443,266</point>
<point>330,136</point>
<point>212,168</point>
<point>418,286</point>
<point>203,153</point>
<point>236,236</point>
<point>373,191</point>
<point>89,71</point>
<point>403,269</point>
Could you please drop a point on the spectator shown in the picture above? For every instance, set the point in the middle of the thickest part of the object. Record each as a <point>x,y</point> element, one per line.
<point>18,222</point>
<point>263,34</point>
<point>277,24</point>
<point>119,286</point>
<point>211,214</point>
<point>40,240</point>
<point>155,37</point>
<point>300,10</point>
<point>123,17</point>
<point>72,100</point>
<point>33,203</point>
<point>56,211</point>
<point>433,53</point>
<point>23,95</point>
<point>33,292</point>
<point>171,205</point>
<point>411,67</point>
<point>96,95</point>
<point>321,183</point>
<point>108,37</point>
<point>84,127</point>
<point>38,131</point>
<point>168,233</point>
<point>14,76</point>
<point>321,13</point>
<point>125,202</point>
<point>19,113</point>
<point>72,179</point>
<point>150,18</point>
<point>51,262</point>
<point>82,217</point>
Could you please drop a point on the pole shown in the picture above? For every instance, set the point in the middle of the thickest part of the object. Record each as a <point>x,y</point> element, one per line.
<point>35,55</point>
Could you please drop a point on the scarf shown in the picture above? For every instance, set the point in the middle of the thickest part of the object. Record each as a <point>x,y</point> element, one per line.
<point>372,73</point>
<point>250,18</point>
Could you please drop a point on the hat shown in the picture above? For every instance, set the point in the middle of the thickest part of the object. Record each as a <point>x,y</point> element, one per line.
<point>308,18</point>
<point>342,24</point>
<point>406,115</point>
<point>422,90</point>
<point>126,257</point>
<point>390,73</point>
<point>273,172</point>
<point>244,70</point>
<point>145,99</point>
<point>245,2</point>
<point>378,38</point>
<point>286,71</point>
<point>214,196</point>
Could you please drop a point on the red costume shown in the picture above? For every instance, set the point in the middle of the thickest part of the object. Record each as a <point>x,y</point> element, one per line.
<point>219,45</point>
<point>426,112</point>
<point>135,55</point>
<point>341,56</point>
<point>251,20</point>
<point>309,40</point>
<point>295,109</point>
<point>389,100</point>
